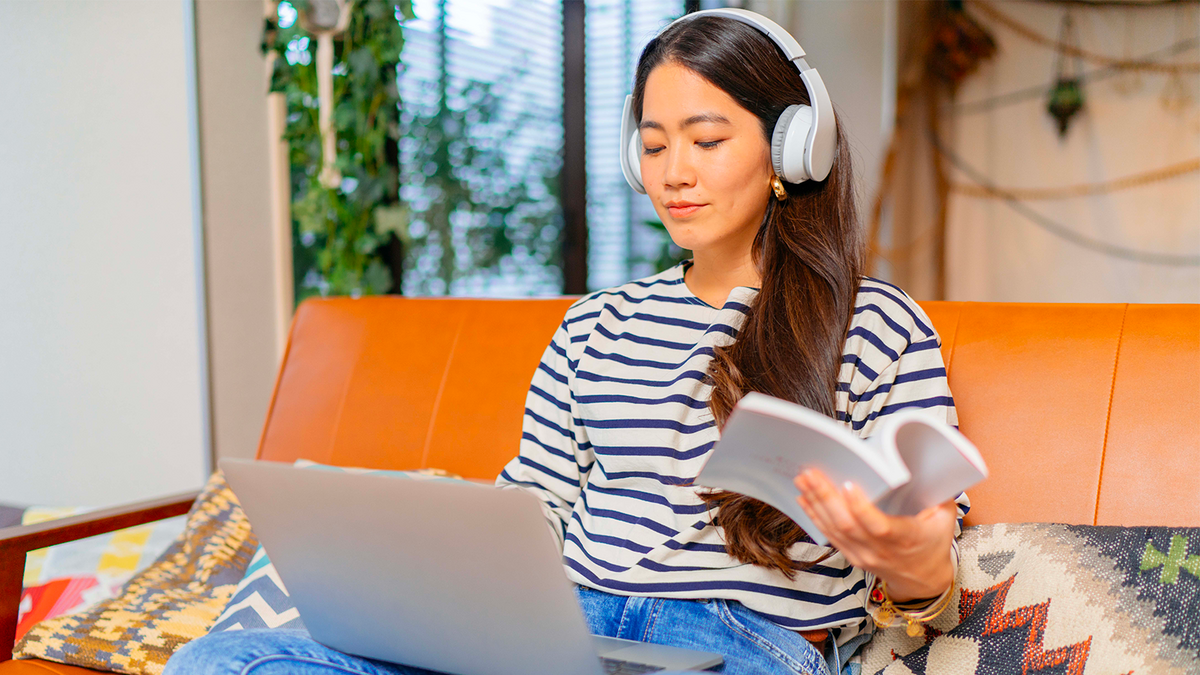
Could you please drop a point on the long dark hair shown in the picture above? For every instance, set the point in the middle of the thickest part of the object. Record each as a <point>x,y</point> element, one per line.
<point>808,250</point>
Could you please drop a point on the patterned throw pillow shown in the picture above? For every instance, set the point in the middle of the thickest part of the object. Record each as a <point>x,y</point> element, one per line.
<point>173,601</point>
<point>261,600</point>
<point>1079,600</point>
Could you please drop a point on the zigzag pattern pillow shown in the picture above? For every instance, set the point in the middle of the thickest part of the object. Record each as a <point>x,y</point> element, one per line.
<point>261,600</point>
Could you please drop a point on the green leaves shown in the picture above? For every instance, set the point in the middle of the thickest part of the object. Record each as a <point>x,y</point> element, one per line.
<point>484,190</point>
<point>393,219</point>
<point>377,276</point>
<point>337,230</point>
<point>363,64</point>
<point>477,204</point>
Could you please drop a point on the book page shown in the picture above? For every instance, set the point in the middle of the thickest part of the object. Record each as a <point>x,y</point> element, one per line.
<point>761,452</point>
<point>942,461</point>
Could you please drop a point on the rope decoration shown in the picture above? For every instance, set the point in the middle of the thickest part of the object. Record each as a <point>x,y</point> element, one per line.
<point>1071,50</point>
<point>1057,229</point>
<point>1082,189</point>
<point>325,19</point>
<point>918,78</point>
<point>1037,91</point>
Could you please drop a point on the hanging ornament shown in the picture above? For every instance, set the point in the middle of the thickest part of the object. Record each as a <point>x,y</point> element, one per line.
<point>325,19</point>
<point>1066,97</point>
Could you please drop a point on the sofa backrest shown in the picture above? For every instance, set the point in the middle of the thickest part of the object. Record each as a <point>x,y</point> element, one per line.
<point>1086,414</point>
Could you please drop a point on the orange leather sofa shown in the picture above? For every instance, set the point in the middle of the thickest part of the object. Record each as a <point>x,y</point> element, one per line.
<point>1086,414</point>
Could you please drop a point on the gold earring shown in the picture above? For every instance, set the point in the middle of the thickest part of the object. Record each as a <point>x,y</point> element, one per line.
<point>777,187</point>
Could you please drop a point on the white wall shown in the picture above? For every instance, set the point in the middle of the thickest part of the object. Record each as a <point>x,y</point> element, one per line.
<point>103,385</point>
<point>245,330</point>
<point>1125,129</point>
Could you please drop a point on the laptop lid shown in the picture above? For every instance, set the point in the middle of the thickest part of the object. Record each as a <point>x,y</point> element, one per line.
<point>452,577</point>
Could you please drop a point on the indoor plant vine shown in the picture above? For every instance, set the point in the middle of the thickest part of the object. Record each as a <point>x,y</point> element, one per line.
<point>344,231</point>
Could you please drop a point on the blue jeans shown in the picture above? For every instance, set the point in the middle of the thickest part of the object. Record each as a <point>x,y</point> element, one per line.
<point>750,643</point>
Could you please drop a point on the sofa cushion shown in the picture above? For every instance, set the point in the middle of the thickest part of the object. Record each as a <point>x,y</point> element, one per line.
<point>394,383</point>
<point>173,601</point>
<point>36,667</point>
<point>1060,598</point>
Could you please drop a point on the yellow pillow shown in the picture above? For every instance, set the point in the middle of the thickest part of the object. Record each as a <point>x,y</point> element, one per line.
<point>170,603</point>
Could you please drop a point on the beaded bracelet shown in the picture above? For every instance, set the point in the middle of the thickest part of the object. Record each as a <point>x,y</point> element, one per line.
<point>888,610</point>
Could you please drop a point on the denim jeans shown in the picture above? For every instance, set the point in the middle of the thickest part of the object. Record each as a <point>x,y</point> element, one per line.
<point>750,643</point>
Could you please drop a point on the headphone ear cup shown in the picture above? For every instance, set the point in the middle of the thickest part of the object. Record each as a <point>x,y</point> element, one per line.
<point>631,148</point>
<point>634,153</point>
<point>788,141</point>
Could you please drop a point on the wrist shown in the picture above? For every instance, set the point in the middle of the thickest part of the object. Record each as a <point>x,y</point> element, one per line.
<point>912,590</point>
<point>927,583</point>
<point>885,612</point>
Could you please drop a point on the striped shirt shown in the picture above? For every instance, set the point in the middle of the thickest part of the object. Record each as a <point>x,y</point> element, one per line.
<point>617,426</point>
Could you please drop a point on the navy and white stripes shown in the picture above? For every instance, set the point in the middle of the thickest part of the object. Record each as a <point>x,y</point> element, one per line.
<point>617,425</point>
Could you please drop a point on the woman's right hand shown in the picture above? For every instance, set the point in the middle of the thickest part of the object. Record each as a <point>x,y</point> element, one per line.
<point>911,553</point>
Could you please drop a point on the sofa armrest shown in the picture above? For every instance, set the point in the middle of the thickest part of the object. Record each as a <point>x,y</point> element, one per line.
<point>15,542</point>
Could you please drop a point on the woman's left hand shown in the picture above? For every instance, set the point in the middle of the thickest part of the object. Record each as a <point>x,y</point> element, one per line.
<point>911,553</point>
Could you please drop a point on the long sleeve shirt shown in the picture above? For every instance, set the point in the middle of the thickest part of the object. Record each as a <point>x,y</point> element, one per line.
<point>617,426</point>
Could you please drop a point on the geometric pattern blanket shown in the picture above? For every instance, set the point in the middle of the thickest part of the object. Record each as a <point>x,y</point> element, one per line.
<point>175,600</point>
<point>1069,599</point>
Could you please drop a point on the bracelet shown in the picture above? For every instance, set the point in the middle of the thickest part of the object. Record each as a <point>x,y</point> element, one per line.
<point>888,610</point>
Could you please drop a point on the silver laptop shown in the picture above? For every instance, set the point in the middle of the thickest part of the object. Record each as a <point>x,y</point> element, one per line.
<point>457,578</point>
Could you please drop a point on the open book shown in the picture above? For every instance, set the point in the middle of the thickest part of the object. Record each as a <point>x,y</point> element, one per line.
<point>911,462</point>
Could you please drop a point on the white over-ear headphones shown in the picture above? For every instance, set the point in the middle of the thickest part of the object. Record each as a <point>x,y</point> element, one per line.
<point>805,138</point>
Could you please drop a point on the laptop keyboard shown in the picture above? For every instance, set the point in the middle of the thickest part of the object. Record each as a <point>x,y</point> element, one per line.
<point>618,667</point>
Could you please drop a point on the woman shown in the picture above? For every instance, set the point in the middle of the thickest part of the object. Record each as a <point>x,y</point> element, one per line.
<point>635,384</point>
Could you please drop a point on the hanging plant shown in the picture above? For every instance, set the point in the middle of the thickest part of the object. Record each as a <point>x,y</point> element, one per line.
<point>342,224</point>
<point>1066,96</point>
<point>958,44</point>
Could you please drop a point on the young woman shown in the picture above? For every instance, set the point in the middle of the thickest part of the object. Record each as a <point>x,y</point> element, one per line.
<point>631,393</point>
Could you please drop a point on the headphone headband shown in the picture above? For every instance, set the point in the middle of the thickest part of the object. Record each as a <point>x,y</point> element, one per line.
<point>805,139</point>
<point>791,49</point>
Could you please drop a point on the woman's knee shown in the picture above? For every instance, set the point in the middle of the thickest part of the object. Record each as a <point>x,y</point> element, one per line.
<point>232,651</point>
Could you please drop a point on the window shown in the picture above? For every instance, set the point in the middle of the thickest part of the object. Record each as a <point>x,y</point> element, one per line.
<point>482,140</point>
<point>621,246</point>
<point>480,149</point>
